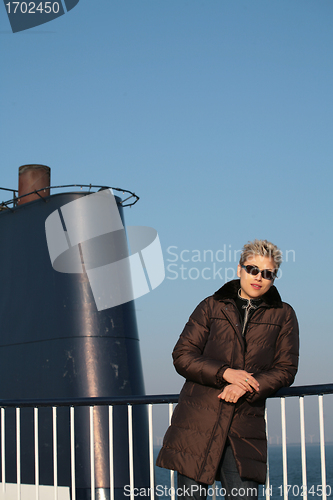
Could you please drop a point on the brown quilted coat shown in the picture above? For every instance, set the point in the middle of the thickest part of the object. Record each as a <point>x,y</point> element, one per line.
<point>210,343</point>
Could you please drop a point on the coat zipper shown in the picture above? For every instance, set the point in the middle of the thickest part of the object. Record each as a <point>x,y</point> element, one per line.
<point>247,308</point>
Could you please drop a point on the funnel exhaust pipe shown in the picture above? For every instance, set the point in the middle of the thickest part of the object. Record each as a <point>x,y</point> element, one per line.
<point>33,178</point>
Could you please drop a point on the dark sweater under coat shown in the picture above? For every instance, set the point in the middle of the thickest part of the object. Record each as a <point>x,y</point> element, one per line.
<point>210,343</point>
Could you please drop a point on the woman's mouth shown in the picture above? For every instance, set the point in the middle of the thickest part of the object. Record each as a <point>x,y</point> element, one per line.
<point>256,287</point>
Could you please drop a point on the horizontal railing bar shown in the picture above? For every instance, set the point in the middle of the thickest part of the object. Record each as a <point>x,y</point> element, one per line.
<point>305,390</point>
<point>8,189</point>
<point>14,200</point>
<point>100,401</point>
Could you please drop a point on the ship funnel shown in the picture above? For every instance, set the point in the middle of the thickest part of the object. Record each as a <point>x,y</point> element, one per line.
<point>67,334</point>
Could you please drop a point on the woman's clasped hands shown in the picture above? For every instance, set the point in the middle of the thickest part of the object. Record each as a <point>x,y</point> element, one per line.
<point>240,382</point>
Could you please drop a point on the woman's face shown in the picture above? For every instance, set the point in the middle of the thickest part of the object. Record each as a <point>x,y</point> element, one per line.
<point>252,287</point>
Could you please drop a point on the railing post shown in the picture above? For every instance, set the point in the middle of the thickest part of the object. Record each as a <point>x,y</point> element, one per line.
<point>284,448</point>
<point>303,449</point>
<point>72,433</point>
<point>3,448</point>
<point>55,453</point>
<point>92,452</point>
<point>322,446</point>
<point>36,452</point>
<point>18,453</point>
<point>151,451</point>
<point>267,491</point>
<point>172,473</point>
<point>111,452</point>
<point>130,450</point>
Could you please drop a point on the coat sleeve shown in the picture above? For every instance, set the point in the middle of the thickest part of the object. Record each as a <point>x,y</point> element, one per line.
<point>188,354</point>
<point>285,362</point>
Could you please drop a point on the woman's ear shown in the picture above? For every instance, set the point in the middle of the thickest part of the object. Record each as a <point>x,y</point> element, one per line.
<point>238,270</point>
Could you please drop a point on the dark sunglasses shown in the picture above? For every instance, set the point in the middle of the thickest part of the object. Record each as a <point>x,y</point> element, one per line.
<point>265,273</point>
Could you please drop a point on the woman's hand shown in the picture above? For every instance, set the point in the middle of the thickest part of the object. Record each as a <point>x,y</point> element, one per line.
<point>231,393</point>
<point>241,379</point>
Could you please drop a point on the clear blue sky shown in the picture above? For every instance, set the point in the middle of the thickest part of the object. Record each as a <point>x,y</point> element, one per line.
<point>218,114</point>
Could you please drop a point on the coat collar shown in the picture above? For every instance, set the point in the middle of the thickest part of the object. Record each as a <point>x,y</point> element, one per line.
<point>229,291</point>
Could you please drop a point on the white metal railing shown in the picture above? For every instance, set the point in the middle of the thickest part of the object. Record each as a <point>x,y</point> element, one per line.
<point>304,488</point>
<point>150,401</point>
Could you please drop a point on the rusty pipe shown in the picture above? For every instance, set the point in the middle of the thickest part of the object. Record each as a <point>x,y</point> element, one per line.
<point>33,178</point>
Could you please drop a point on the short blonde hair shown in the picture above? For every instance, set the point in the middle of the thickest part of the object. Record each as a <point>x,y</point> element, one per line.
<point>261,247</point>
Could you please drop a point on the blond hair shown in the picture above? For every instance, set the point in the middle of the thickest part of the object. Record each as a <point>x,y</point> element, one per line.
<point>261,247</point>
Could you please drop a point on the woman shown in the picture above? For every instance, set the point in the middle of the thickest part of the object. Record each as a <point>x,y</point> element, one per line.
<point>239,347</point>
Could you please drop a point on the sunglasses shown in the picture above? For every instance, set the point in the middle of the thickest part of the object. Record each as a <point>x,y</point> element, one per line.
<point>265,273</point>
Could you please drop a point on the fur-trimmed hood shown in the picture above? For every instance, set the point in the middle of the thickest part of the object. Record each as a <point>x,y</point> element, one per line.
<point>230,290</point>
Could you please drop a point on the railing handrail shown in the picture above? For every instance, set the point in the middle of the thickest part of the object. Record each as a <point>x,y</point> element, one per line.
<point>303,390</point>
<point>17,198</point>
